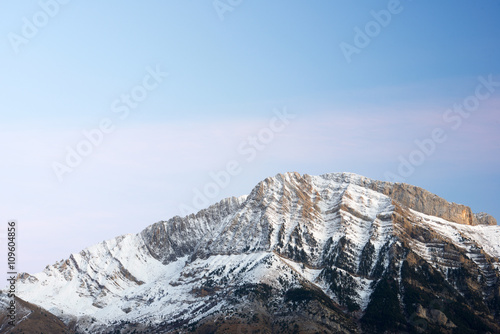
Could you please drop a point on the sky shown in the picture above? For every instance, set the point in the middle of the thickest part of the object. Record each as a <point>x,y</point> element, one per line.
<point>115,115</point>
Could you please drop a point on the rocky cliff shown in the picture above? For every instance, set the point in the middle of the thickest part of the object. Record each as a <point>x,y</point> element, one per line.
<point>306,254</point>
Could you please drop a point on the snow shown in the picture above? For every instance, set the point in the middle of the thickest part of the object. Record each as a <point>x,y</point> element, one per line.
<point>100,266</point>
<point>486,236</point>
<point>309,274</point>
<point>467,237</point>
<point>235,243</point>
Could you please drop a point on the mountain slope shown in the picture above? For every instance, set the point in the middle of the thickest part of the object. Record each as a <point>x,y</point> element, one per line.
<point>29,319</point>
<point>331,253</point>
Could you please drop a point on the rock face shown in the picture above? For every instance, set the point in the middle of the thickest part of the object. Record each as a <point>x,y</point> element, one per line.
<point>423,201</point>
<point>305,254</point>
<point>484,219</point>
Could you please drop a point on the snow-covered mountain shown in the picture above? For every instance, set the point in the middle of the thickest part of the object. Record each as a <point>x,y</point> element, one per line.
<point>331,253</point>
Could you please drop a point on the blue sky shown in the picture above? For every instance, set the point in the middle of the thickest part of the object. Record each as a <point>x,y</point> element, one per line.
<point>227,80</point>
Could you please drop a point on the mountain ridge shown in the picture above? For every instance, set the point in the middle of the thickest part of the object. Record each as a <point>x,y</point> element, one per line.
<point>329,243</point>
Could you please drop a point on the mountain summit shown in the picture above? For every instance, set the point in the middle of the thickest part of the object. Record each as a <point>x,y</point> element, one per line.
<point>301,254</point>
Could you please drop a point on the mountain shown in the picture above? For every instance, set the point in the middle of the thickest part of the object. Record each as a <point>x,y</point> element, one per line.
<point>336,253</point>
<point>29,319</point>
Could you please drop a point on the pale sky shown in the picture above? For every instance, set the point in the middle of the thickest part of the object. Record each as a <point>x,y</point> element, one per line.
<point>164,96</point>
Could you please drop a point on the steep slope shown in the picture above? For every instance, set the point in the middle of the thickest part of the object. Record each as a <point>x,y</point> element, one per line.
<point>331,253</point>
<point>29,319</point>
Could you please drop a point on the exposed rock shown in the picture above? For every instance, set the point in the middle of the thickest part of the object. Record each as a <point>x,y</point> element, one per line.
<point>485,219</point>
<point>419,199</point>
<point>331,253</point>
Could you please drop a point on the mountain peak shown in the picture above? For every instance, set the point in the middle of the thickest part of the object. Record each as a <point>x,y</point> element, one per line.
<point>406,195</point>
<point>318,253</point>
